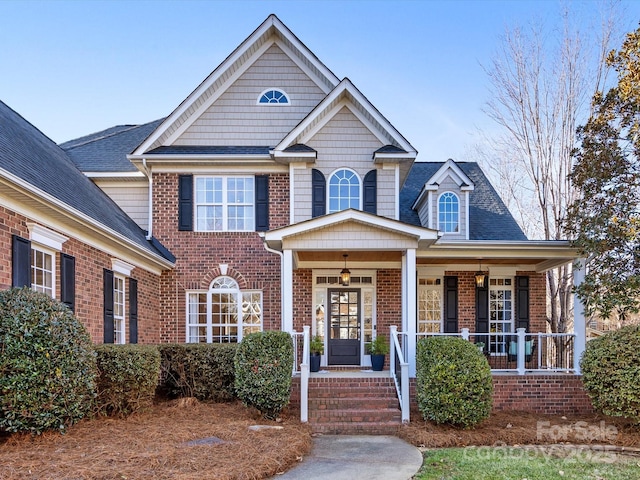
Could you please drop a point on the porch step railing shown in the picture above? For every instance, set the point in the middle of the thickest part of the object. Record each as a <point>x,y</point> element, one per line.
<point>301,341</point>
<point>399,370</point>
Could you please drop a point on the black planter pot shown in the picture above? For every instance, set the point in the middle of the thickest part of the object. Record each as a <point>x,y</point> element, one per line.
<point>314,362</point>
<point>377,363</point>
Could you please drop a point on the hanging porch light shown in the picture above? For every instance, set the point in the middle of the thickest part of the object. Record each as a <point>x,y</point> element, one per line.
<point>345,274</point>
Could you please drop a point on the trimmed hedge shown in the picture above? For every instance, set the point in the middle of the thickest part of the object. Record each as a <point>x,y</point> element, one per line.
<point>200,370</point>
<point>47,364</point>
<point>127,378</point>
<point>610,368</point>
<point>264,364</point>
<point>454,383</point>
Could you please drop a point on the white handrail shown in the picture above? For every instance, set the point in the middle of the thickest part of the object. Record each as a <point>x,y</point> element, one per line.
<point>402,389</point>
<point>304,375</point>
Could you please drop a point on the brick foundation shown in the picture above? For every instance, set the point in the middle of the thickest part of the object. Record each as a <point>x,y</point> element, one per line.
<point>535,393</point>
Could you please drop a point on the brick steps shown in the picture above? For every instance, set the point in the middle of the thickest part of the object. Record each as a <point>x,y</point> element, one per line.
<point>353,406</point>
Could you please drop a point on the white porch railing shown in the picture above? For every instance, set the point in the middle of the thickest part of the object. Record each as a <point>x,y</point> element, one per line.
<point>301,366</point>
<point>522,352</point>
<point>399,370</point>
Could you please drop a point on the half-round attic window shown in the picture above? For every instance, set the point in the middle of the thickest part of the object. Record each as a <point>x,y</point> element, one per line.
<point>273,96</point>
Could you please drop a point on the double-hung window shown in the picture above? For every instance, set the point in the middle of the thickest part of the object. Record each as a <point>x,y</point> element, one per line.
<point>500,313</point>
<point>225,204</point>
<point>43,270</point>
<point>224,314</point>
<point>118,310</point>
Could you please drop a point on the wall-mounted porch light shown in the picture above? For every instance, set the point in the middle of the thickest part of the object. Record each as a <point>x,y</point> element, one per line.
<point>345,274</point>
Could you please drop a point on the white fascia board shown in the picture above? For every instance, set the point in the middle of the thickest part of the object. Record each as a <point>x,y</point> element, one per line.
<point>310,73</point>
<point>287,156</point>
<point>450,165</point>
<point>200,158</point>
<point>394,157</point>
<point>114,174</point>
<point>86,221</point>
<point>230,168</point>
<point>375,221</point>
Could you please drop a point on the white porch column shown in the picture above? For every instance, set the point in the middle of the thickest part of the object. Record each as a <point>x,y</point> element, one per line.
<point>409,307</point>
<point>579,322</point>
<point>287,291</point>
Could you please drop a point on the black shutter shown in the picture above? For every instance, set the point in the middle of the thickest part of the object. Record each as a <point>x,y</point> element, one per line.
<point>68,281</point>
<point>185,202</point>
<point>262,203</point>
<point>108,306</point>
<point>20,262</point>
<point>318,194</point>
<point>482,308</point>
<point>369,190</point>
<point>522,302</point>
<point>133,311</point>
<point>450,304</point>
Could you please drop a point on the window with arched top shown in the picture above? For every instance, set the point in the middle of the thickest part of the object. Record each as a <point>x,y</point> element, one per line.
<point>449,213</point>
<point>273,96</point>
<point>224,313</point>
<point>344,190</point>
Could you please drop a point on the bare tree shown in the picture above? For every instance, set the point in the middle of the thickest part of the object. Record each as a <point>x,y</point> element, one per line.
<point>541,84</point>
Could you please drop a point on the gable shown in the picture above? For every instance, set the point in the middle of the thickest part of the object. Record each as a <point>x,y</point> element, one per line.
<point>235,118</point>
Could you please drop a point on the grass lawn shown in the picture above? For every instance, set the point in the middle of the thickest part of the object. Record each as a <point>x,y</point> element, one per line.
<point>533,463</point>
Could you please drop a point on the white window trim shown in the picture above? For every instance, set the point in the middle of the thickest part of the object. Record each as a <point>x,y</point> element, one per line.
<point>225,204</point>
<point>501,322</point>
<point>439,288</point>
<point>274,104</point>
<point>328,188</point>
<point>120,320</point>
<point>52,253</point>
<point>123,268</point>
<point>45,237</point>
<point>459,212</point>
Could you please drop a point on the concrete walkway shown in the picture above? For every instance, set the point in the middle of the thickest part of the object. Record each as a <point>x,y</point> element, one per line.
<point>353,457</point>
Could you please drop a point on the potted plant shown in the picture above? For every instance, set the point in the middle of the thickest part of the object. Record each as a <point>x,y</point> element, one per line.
<point>316,348</point>
<point>378,349</point>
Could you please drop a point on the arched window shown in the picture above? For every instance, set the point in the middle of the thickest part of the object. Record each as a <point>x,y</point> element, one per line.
<point>273,96</point>
<point>449,213</point>
<point>223,314</point>
<point>344,190</point>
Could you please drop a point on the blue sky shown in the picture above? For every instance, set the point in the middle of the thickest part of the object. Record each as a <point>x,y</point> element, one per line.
<point>76,67</point>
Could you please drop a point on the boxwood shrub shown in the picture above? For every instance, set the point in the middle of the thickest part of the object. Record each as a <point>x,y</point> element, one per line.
<point>610,368</point>
<point>47,364</point>
<point>127,378</point>
<point>263,364</point>
<point>454,383</point>
<point>200,370</point>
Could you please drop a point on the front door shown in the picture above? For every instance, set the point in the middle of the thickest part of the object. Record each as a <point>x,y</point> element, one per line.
<point>344,327</point>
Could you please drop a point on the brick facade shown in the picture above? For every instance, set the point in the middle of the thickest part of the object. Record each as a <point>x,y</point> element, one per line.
<point>90,264</point>
<point>200,256</point>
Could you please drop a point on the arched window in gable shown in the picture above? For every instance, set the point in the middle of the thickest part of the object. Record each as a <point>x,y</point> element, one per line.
<point>344,190</point>
<point>273,96</point>
<point>449,213</point>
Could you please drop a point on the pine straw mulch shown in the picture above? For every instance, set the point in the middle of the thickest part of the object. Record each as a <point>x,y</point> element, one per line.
<point>521,428</point>
<point>153,445</point>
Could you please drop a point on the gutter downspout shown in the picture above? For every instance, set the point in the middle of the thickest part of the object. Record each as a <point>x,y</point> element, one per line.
<point>281,254</point>
<point>149,175</point>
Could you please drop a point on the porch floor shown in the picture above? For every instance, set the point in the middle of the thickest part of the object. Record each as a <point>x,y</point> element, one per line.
<point>364,373</point>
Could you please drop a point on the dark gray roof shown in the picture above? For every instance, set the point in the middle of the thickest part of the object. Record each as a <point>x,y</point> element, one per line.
<point>390,149</point>
<point>30,155</point>
<point>299,147</point>
<point>489,218</point>
<point>107,151</point>
<point>210,150</point>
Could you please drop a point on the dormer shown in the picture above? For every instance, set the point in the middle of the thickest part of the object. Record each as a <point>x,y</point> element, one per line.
<point>443,202</point>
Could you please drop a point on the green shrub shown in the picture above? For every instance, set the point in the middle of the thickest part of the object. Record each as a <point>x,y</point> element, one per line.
<point>127,378</point>
<point>611,372</point>
<point>454,383</point>
<point>47,364</point>
<point>264,363</point>
<point>200,370</point>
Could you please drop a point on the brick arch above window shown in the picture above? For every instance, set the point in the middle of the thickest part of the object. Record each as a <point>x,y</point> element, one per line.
<point>216,272</point>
